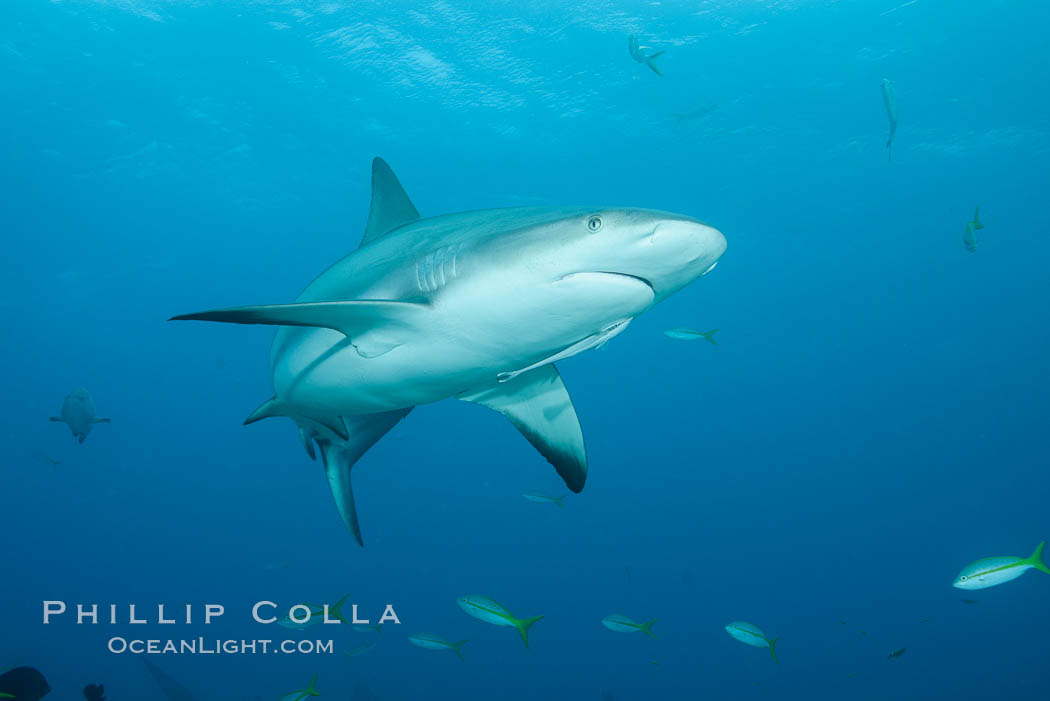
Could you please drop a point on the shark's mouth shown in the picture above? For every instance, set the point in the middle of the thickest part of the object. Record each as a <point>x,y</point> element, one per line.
<point>630,275</point>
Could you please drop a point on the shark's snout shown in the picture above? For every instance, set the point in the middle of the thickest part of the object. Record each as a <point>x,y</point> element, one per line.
<point>677,251</point>
<point>697,241</point>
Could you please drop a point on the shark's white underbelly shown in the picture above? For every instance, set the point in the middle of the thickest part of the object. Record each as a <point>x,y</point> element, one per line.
<point>466,342</point>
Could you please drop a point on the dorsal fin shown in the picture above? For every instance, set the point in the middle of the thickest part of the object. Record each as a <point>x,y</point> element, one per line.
<point>390,204</point>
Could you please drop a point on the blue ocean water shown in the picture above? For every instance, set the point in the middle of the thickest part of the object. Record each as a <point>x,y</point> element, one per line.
<point>872,420</point>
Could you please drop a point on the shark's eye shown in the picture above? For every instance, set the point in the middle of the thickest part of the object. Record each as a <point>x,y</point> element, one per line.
<point>594,224</point>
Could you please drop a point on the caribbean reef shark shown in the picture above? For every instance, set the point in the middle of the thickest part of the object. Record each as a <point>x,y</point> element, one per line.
<point>475,305</point>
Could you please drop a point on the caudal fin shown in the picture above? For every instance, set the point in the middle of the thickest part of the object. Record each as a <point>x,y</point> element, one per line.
<point>1036,560</point>
<point>709,336</point>
<point>523,628</point>
<point>773,649</point>
<point>337,465</point>
<point>339,458</point>
<point>977,219</point>
<point>312,689</point>
<point>649,62</point>
<point>560,501</point>
<point>647,628</point>
<point>336,609</point>
<point>103,420</point>
<point>456,648</point>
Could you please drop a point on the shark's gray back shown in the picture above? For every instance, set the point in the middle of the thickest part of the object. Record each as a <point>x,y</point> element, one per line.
<point>359,271</point>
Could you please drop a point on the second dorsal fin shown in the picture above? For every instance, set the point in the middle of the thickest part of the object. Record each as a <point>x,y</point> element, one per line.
<point>390,204</point>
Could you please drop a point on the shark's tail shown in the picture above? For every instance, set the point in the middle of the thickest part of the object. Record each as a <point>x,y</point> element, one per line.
<point>1036,560</point>
<point>340,454</point>
<point>649,62</point>
<point>977,219</point>
<point>337,466</point>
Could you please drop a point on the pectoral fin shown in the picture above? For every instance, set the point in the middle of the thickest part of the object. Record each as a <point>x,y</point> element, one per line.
<point>539,406</point>
<point>374,327</point>
<point>339,457</point>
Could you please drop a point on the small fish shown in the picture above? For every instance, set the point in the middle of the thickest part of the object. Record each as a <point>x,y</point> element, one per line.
<point>640,56</point>
<point>692,335</point>
<point>864,632</point>
<point>359,650</point>
<point>170,687</point>
<point>842,623</point>
<point>367,628</point>
<point>968,601</point>
<point>851,674</point>
<point>45,459</point>
<point>544,499</point>
<point>897,653</point>
<point>317,615</point>
<point>429,641</point>
<point>24,684</point>
<point>970,233</point>
<point>93,692</point>
<point>654,663</point>
<point>485,609</point>
<point>751,635</point>
<point>889,98</point>
<point>990,571</point>
<point>302,694</point>
<point>623,624</point>
<point>680,117</point>
<point>78,412</point>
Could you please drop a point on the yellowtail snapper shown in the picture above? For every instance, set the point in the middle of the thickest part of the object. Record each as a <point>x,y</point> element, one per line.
<point>623,624</point>
<point>485,609</point>
<point>991,571</point>
<point>429,641</point>
<point>750,634</point>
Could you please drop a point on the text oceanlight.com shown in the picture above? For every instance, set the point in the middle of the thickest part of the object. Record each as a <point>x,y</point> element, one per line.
<point>201,646</point>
